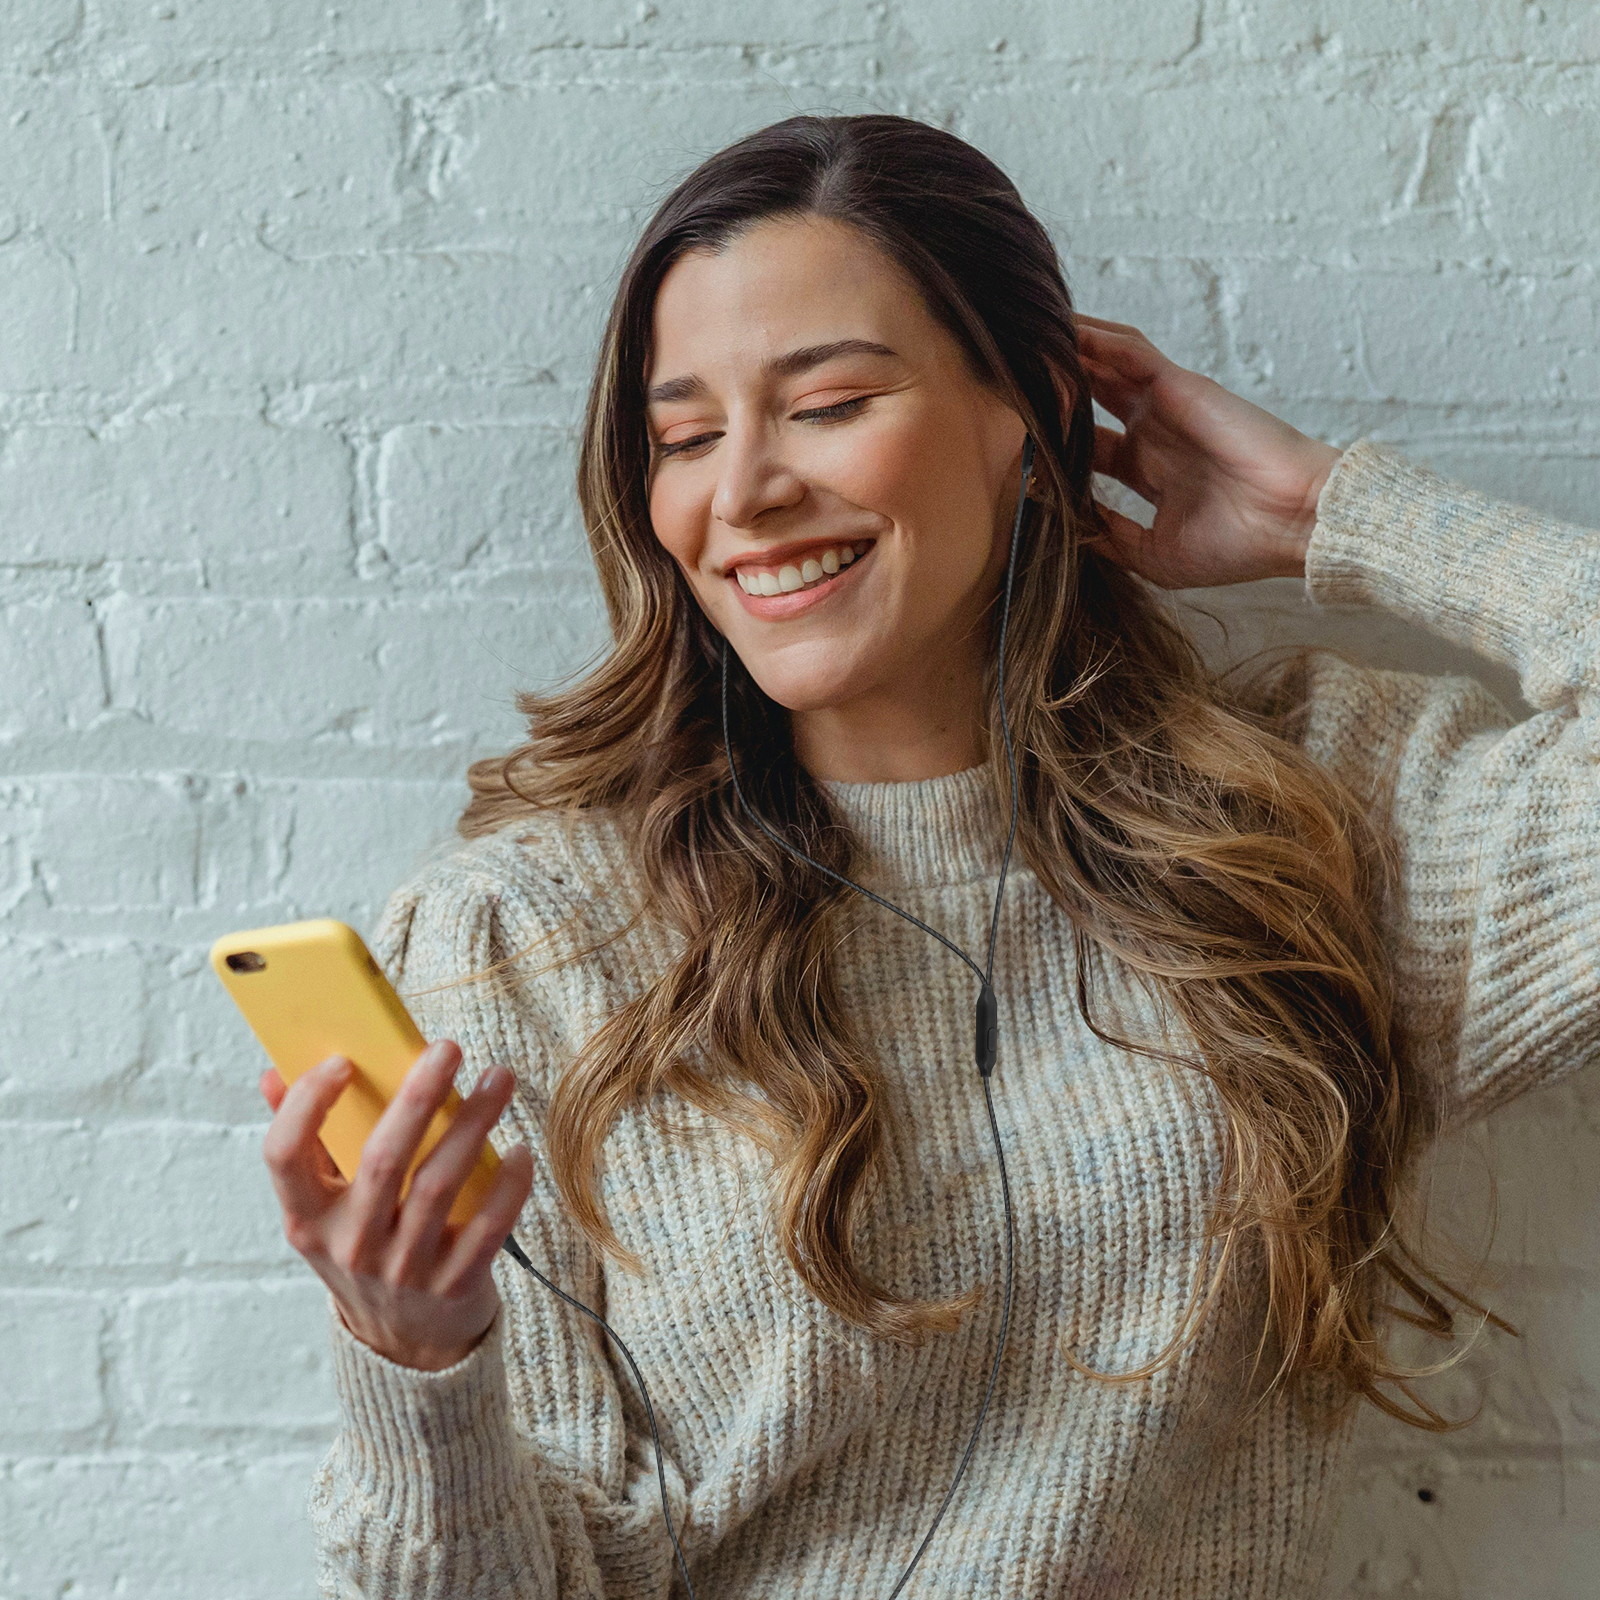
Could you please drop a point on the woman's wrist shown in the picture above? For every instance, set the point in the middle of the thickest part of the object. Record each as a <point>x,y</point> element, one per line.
<point>1287,555</point>
<point>1327,457</point>
<point>418,1357</point>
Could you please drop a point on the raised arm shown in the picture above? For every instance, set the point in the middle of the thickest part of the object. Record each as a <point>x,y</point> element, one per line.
<point>1494,923</point>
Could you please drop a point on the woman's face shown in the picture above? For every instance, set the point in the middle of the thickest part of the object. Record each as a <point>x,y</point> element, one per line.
<point>835,484</point>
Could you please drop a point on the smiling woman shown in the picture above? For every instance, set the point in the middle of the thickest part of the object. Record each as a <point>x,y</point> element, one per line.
<point>1270,931</point>
<point>819,412</point>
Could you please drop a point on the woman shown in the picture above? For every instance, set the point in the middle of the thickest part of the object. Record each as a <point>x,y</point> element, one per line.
<point>1264,938</point>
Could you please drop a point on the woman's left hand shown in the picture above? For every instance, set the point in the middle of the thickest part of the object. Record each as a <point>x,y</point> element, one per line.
<point>1235,489</point>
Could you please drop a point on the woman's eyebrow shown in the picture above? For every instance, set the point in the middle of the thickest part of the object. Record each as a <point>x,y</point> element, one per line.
<point>784,366</point>
<point>813,355</point>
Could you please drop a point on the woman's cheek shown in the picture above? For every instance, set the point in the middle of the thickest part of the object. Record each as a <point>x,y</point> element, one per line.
<point>868,467</point>
<point>671,526</point>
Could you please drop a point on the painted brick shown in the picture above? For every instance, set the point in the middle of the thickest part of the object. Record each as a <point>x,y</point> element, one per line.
<point>1130,173</point>
<point>160,1037</point>
<point>1145,31</point>
<point>1553,480</point>
<point>347,843</point>
<point>1235,621</point>
<point>1542,1387</point>
<point>58,1054</point>
<point>225,497</point>
<point>573,155</point>
<point>201,1059</point>
<point>38,305</point>
<point>14,868</point>
<point>1527,153</point>
<point>1391,1542</point>
<point>371,321</point>
<point>1170,299</point>
<point>159,1194</point>
<point>240,850</point>
<point>1548,1210</point>
<point>476,500</point>
<point>1508,30</point>
<point>662,25</point>
<point>30,29</point>
<point>50,665</point>
<point>186,1526</point>
<point>52,145</point>
<point>418,673</point>
<point>1454,334</point>
<point>49,1363</point>
<point>144,41</point>
<point>200,163</point>
<point>1532,1394</point>
<point>227,1356</point>
<point>109,843</point>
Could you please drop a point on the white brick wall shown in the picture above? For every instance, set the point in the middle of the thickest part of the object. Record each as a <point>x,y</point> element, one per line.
<point>297,305</point>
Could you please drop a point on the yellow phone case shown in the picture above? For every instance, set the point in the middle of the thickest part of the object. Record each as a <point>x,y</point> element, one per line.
<point>310,990</point>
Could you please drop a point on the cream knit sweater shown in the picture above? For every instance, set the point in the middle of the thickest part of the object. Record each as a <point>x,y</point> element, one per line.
<point>805,1458</point>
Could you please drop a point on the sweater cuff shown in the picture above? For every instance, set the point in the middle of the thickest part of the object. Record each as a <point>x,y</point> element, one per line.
<point>435,1451</point>
<point>1477,571</point>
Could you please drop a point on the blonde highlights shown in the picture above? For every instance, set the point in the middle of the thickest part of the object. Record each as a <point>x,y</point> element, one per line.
<point>1169,811</point>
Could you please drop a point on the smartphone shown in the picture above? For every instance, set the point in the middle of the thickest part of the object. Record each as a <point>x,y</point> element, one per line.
<point>310,990</point>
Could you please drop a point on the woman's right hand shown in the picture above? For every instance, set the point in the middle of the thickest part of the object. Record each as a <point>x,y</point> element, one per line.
<point>1235,488</point>
<point>410,1285</point>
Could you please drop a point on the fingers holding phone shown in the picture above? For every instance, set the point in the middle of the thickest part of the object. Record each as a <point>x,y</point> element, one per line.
<point>389,1186</point>
<point>303,1174</point>
<point>420,1251</point>
<point>409,1283</point>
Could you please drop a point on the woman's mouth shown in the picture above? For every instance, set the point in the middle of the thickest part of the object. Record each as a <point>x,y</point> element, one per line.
<point>782,588</point>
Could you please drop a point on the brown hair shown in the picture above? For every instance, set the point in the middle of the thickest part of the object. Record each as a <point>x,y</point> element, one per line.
<point>1168,810</point>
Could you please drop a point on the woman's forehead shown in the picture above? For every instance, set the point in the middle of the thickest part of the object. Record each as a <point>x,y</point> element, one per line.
<point>783,284</point>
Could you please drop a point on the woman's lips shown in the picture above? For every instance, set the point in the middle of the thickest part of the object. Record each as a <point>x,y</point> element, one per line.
<point>774,607</point>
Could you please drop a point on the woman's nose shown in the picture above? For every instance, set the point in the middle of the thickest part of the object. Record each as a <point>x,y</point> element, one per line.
<point>752,479</point>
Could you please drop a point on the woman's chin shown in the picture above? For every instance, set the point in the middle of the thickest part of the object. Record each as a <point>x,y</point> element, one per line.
<point>809,678</point>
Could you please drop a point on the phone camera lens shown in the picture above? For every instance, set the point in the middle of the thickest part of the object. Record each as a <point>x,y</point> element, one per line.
<point>245,961</point>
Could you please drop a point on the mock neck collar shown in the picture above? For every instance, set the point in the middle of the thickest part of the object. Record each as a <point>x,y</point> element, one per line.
<point>928,831</point>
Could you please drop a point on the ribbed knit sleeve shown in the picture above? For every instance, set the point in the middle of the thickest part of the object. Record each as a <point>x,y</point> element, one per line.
<point>516,1471</point>
<point>1495,922</point>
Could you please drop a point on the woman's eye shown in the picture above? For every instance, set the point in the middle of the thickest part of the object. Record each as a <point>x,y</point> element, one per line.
<point>844,408</point>
<point>833,413</point>
<point>678,446</point>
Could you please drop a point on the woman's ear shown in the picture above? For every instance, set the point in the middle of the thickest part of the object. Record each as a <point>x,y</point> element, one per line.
<point>1040,489</point>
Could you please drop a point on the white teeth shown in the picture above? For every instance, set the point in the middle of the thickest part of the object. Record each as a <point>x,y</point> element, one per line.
<point>789,578</point>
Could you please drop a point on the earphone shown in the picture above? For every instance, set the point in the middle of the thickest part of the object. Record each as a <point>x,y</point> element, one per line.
<point>985,1051</point>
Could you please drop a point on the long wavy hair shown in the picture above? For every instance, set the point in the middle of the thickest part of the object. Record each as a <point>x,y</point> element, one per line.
<point>1167,809</point>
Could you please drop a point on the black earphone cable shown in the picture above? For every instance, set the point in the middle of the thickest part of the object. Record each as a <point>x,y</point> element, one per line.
<point>985,1051</point>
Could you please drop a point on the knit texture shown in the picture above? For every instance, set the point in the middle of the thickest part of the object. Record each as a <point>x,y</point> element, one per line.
<point>806,1458</point>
